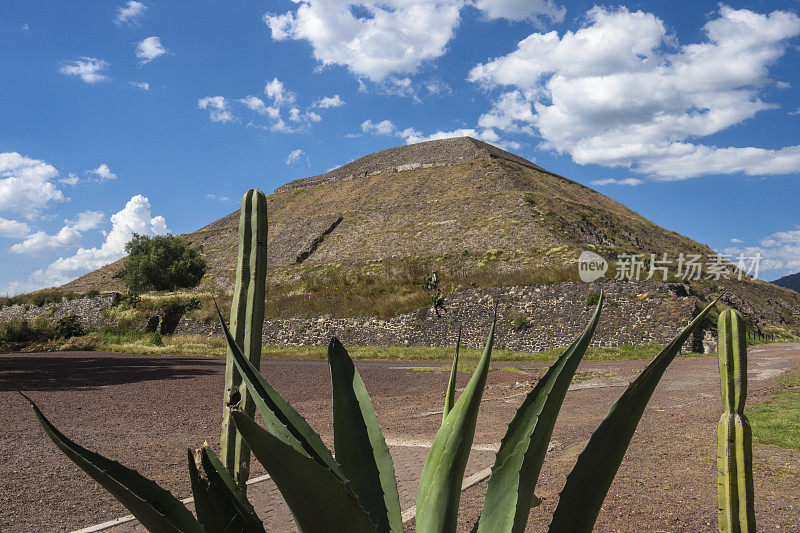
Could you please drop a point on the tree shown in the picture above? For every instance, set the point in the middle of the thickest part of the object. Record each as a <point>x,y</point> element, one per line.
<point>163,262</point>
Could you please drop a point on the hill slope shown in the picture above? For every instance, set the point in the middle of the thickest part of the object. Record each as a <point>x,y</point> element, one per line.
<point>458,206</point>
<point>791,281</point>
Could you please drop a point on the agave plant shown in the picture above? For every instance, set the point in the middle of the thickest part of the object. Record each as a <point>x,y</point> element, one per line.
<point>356,491</point>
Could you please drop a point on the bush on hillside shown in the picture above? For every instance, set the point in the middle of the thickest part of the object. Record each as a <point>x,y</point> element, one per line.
<point>162,263</point>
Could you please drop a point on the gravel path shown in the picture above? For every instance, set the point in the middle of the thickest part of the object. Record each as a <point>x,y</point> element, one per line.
<point>145,410</point>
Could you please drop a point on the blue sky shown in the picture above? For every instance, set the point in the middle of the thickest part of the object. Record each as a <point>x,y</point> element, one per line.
<point>155,116</point>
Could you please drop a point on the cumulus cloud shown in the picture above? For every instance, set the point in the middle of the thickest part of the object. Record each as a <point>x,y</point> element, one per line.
<point>329,101</point>
<point>143,85</point>
<point>411,135</point>
<point>150,48</point>
<point>254,103</point>
<point>280,100</point>
<point>278,93</point>
<point>130,13</point>
<point>622,92</point>
<point>103,173</point>
<point>218,108</point>
<point>13,228</point>
<point>372,38</point>
<point>86,220</point>
<point>88,69</point>
<point>533,10</point>
<point>135,217</point>
<point>778,251</point>
<point>26,184</point>
<point>40,243</point>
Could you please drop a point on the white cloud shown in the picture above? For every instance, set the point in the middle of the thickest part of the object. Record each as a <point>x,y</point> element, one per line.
<point>411,135</point>
<point>129,13</point>
<point>329,101</point>
<point>612,181</point>
<point>134,218</point>
<point>795,112</point>
<point>89,69</point>
<point>86,220</point>
<point>384,127</point>
<point>150,48</point>
<point>13,228</point>
<point>622,92</point>
<point>737,241</point>
<point>41,243</point>
<point>372,38</point>
<point>218,108</point>
<point>103,173</point>
<point>71,179</point>
<point>217,198</point>
<point>143,85</point>
<point>277,92</point>
<point>25,184</point>
<point>295,156</point>
<point>254,103</point>
<point>522,10</point>
<point>779,251</point>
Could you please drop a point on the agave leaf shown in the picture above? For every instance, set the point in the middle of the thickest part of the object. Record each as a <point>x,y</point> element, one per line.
<point>586,487</point>
<point>220,504</point>
<point>154,507</point>
<point>450,394</point>
<point>439,490</point>
<point>359,443</point>
<point>279,416</point>
<point>319,500</point>
<point>509,493</point>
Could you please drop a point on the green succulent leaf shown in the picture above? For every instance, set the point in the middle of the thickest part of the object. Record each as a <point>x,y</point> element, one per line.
<point>154,507</point>
<point>279,416</point>
<point>360,447</point>
<point>588,483</point>
<point>320,502</point>
<point>450,394</point>
<point>219,503</point>
<point>510,490</point>
<point>439,490</point>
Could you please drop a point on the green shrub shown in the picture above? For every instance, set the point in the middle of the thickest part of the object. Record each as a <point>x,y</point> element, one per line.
<point>519,322</point>
<point>162,263</point>
<point>154,339</point>
<point>69,326</point>
<point>593,298</point>
<point>16,331</point>
<point>193,303</point>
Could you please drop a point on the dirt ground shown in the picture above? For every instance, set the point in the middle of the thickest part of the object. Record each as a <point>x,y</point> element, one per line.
<point>145,410</point>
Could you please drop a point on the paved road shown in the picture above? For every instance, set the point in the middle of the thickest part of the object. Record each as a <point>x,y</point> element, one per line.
<point>145,410</point>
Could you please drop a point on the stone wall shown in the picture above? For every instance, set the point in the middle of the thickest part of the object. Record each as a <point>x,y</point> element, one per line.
<point>554,315</point>
<point>88,310</point>
<point>635,313</point>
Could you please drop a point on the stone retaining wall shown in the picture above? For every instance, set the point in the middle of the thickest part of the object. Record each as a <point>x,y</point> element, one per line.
<point>88,310</point>
<point>635,313</point>
<point>554,315</point>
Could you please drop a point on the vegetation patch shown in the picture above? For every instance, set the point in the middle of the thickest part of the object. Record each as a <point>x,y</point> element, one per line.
<point>776,420</point>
